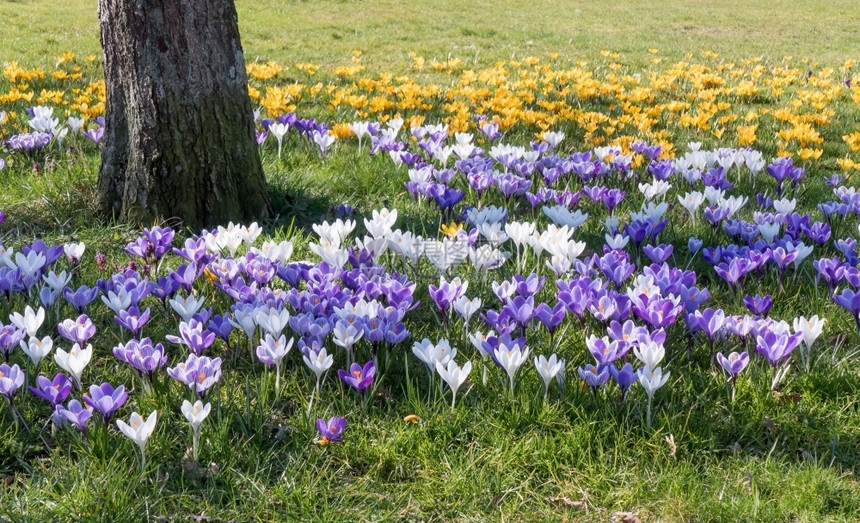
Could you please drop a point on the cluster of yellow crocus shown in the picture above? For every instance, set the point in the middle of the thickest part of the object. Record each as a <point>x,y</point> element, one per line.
<point>793,105</point>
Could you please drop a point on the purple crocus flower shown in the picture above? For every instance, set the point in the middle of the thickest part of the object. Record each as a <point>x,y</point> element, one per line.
<point>595,377</point>
<point>186,274</point>
<point>658,254</point>
<point>80,298</point>
<point>11,379</point>
<point>782,259</point>
<point>197,373</point>
<point>711,322</point>
<point>358,377</point>
<point>75,414</point>
<point>161,239</point>
<point>758,305</point>
<point>221,326</point>
<point>53,391</point>
<point>734,271</point>
<point>624,377</point>
<point>777,347</point>
<point>660,312</point>
<point>132,320</point>
<point>850,301</point>
<point>780,169</point>
<point>10,337</point>
<point>522,310</point>
<point>604,350</point>
<point>105,399</point>
<point>142,248</point>
<point>445,294</point>
<point>551,318</point>
<point>331,430</point>
<point>611,198</point>
<point>28,142</point>
<point>530,285</point>
<point>716,215</point>
<point>78,331</point>
<point>142,355</point>
<point>95,134</point>
<point>734,364</point>
<point>193,336</point>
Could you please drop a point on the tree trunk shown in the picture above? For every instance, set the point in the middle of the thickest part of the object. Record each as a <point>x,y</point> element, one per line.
<point>179,130</point>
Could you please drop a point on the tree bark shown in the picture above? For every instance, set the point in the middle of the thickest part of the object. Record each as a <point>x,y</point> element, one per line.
<point>179,129</point>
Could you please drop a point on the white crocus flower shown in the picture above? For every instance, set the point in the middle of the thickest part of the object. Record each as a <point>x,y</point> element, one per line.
<point>279,130</point>
<point>651,380</point>
<point>30,321</point>
<point>31,263</point>
<point>520,232</point>
<point>318,362</point>
<point>195,414</point>
<point>617,242</point>
<point>454,376</point>
<point>382,222</point>
<point>57,282</point>
<point>811,328</point>
<point>466,308</point>
<point>733,203</point>
<point>768,231</point>
<point>323,141</point>
<point>785,206</point>
<point>650,353</point>
<point>511,359</point>
<point>186,307</point>
<point>74,361</point>
<point>553,138</point>
<point>430,353</point>
<point>803,251</point>
<point>548,369</point>
<point>37,349</point>
<point>250,233</point>
<point>75,251</point>
<point>271,320</point>
<point>714,195</point>
<point>360,130</point>
<point>691,202</point>
<point>489,214</point>
<point>446,254</point>
<point>394,125</point>
<point>118,301</point>
<point>139,432</point>
<point>75,124</point>
<point>274,251</point>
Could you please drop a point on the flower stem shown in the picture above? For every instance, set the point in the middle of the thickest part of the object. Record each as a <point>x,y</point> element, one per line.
<point>648,416</point>
<point>195,445</point>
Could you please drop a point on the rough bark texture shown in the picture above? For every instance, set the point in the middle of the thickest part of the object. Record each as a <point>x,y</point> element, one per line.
<point>179,131</point>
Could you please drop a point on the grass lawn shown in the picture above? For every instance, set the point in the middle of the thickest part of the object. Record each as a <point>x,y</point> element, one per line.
<point>791,454</point>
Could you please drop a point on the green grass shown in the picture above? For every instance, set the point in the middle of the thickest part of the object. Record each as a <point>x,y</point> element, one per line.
<point>327,32</point>
<point>763,457</point>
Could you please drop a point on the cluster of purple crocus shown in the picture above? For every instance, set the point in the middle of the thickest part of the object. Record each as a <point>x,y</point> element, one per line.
<point>632,298</point>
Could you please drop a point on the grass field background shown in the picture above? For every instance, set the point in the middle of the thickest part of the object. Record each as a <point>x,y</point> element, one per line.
<point>764,457</point>
<point>327,32</point>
